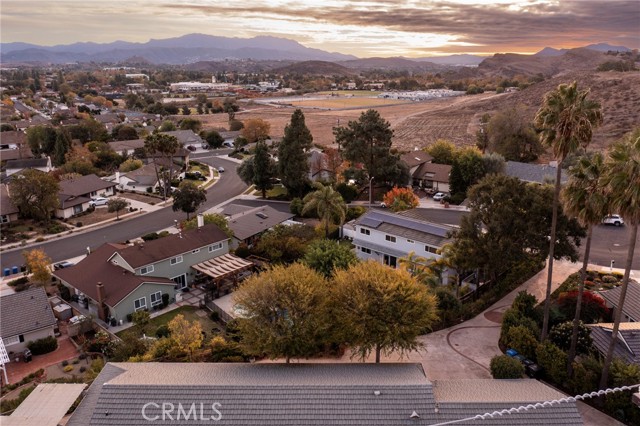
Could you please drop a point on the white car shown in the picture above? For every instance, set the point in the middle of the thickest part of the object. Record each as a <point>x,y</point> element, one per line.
<point>220,169</point>
<point>439,196</point>
<point>98,201</point>
<point>613,219</point>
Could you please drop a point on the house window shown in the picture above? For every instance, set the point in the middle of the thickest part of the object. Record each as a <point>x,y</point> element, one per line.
<point>139,304</point>
<point>181,281</point>
<point>390,260</point>
<point>177,259</point>
<point>214,247</point>
<point>11,340</point>
<point>410,241</point>
<point>156,298</point>
<point>365,231</point>
<point>390,238</point>
<point>195,251</point>
<point>77,209</point>
<point>146,270</point>
<point>430,249</point>
<point>365,250</point>
<point>4,218</point>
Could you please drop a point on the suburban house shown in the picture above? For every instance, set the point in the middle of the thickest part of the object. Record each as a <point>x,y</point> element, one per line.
<point>24,317</point>
<point>426,174</point>
<point>631,309</point>
<point>144,179</point>
<point>185,137</point>
<point>75,194</point>
<point>386,237</point>
<point>16,166</point>
<point>628,345</point>
<point>387,394</point>
<point>248,223</point>
<point>318,166</point>
<point>534,173</point>
<point>118,280</point>
<point>8,211</point>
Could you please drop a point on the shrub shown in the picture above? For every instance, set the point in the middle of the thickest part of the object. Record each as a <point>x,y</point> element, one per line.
<point>594,307</point>
<point>522,340</point>
<point>243,251</point>
<point>68,368</point>
<point>610,279</point>
<point>553,360</point>
<point>505,367</point>
<point>348,192</point>
<point>39,239</point>
<point>75,361</point>
<point>65,363</point>
<point>513,318</point>
<point>162,331</point>
<point>215,316</point>
<point>83,369</point>
<point>586,375</point>
<point>296,206</point>
<point>11,404</point>
<point>235,125</point>
<point>19,281</point>
<point>560,335</point>
<point>354,212</point>
<point>150,236</point>
<point>43,346</point>
<point>78,224</point>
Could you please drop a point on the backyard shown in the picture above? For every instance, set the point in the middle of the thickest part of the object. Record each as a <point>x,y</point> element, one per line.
<point>190,313</point>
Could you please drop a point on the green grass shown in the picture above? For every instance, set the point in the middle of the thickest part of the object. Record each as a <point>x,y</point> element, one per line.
<point>277,192</point>
<point>204,169</point>
<point>189,313</point>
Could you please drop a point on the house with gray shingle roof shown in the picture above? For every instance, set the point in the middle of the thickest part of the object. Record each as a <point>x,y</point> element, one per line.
<point>631,309</point>
<point>627,346</point>
<point>16,166</point>
<point>385,237</point>
<point>387,394</point>
<point>249,223</point>
<point>533,173</point>
<point>8,211</point>
<point>75,194</point>
<point>24,317</point>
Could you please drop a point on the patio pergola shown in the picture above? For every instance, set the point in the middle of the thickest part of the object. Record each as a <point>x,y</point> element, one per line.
<point>223,267</point>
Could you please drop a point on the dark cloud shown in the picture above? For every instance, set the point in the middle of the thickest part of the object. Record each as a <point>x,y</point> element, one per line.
<point>493,27</point>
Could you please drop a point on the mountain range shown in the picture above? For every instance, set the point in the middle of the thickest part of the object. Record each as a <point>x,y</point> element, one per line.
<point>198,48</point>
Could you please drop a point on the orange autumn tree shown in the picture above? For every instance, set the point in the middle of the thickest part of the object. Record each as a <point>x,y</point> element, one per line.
<point>399,199</point>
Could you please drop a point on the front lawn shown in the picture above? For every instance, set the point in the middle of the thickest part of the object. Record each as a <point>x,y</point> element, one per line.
<point>190,313</point>
<point>278,192</point>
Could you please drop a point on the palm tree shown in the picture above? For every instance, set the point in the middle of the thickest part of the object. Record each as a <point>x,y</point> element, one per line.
<point>566,121</point>
<point>622,181</point>
<point>328,205</point>
<point>426,271</point>
<point>583,198</point>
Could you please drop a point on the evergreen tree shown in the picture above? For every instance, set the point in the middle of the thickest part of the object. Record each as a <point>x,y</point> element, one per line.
<point>263,169</point>
<point>292,157</point>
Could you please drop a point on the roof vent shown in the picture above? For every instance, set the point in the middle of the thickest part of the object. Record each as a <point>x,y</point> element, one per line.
<point>262,215</point>
<point>376,393</point>
<point>414,415</point>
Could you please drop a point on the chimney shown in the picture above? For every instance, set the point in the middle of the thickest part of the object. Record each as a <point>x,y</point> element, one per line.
<point>200,220</point>
<point>101,307</point>
<point>117,177</point>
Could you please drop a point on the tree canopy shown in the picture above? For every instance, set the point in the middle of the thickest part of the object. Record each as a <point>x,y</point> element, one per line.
<point>259,170</point>
<point>511,134</point>
<point>188,198</point>
<point>255,129</point>
<point>293,164</point>
<point>381,310</point>
<point>283,312</point>
<point>399,199</point>
<point>326,256</point>
<point>35,194</point>
<point>327,204</point>
<point>215,218</point>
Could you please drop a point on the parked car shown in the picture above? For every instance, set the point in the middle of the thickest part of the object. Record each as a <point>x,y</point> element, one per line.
<point>62,265</point>
<point>191,148</point>
<point>613,219</point>
<point>98,201</point>
<point>383,205</point>
<point>220,169</point>
<point>439,196</point>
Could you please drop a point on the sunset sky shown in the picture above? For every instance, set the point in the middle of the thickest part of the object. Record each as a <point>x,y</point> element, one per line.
<point>365,28</point>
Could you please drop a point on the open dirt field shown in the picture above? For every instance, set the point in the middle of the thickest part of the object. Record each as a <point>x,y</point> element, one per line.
<point>418,124</point>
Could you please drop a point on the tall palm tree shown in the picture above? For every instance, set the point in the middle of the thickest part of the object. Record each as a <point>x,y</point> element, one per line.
<point>328,204</point>
<point>622,180</point>
<point>584,198</point>
<point>566,121</point>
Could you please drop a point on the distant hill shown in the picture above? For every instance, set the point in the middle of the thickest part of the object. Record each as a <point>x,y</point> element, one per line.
<point>396,64</point>
<point>462,60</point>
<point>315,68</point>
<point>511,64</point>
<point>600,47</point>
<point>186,49</point>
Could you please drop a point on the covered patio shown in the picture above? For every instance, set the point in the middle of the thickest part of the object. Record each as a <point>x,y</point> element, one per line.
<point>221,274</point>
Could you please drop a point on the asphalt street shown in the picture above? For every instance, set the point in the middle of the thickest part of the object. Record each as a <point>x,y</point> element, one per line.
<point>228,187</point>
